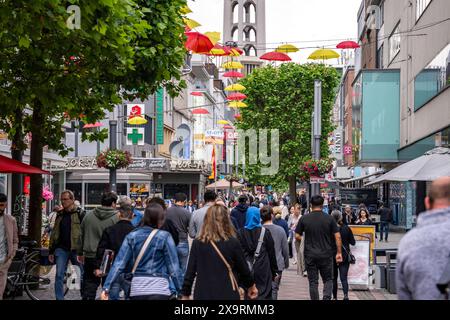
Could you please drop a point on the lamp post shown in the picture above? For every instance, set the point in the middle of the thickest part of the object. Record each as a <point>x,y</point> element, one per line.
<point>113,146</point>
<point>317,131</point>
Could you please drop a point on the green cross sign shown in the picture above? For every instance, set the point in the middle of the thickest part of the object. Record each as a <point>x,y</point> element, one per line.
<point>135,137</point>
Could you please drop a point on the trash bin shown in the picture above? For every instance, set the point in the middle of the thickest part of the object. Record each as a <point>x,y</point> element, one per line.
<point>391,256</point>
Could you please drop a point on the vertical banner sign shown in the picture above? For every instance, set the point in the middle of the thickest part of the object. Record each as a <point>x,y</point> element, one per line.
<point>160,116</point>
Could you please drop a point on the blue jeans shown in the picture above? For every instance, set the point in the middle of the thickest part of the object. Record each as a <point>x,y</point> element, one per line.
<point>62,258</point>
<point>384,228</point>
<point>117,286</point>
<point>183,255</point>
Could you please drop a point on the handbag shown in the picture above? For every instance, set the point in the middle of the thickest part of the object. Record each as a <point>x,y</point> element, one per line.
<point>234,283</point>
<point>129,277</point>
<point>350,257</point>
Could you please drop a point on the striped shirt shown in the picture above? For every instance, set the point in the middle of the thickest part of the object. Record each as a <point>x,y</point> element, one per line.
<point>145,286</point>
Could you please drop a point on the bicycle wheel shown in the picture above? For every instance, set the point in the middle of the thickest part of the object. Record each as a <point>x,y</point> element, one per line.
<point>34,282</point>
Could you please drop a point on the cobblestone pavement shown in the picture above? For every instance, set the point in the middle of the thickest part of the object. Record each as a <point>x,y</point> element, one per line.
<point>293,286</point>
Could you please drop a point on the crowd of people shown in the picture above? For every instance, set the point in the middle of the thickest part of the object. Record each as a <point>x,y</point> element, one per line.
<point>225,250</point>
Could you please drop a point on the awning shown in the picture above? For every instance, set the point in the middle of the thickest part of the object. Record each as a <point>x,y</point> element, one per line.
<point>363,177</point>
<point>224,184</point>
<point>8,165</point>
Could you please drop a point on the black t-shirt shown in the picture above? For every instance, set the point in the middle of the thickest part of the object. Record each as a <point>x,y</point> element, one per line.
<point>319,229</point>
<point>65,228</point>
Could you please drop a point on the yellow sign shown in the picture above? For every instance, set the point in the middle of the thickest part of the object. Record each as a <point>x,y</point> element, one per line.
<point>365,232</point>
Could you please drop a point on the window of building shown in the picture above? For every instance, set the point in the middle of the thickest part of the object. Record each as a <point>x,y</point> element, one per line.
<point>76,189</point>
<point>433,79</point>
<point>250,12</point>
<point>235,34</point>
<point>3,183</point>
<point>394,43</point>
<point>94,192</point>
<point>421,6</point>
<point>171,189</point>
<point>235,10</point>
<point>380,57</point>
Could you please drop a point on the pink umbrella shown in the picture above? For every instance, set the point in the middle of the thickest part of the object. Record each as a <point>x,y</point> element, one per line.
<point>237,96</point>
<point>233,74</point>
<point>196,94</point>
<point>348,45</point>
<point>200,111</point>
<point>95,125</point>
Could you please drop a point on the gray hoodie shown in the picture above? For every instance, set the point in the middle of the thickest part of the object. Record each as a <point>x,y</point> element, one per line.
<point>422,256</point>
<point>92,227</point>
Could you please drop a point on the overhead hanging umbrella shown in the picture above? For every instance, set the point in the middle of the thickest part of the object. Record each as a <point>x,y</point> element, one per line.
<point>198,42</point>
<point>324,54</point>
<point>137,120</point>
<point>238,116</point>
<point>233,74</point>
<point>192,24</point>
<point>237,104</point>
<point>185,10</point>
<point>222,122</point>
<point>8,165</point>
<point>196,94</point>
<point>233,65</point>
<point>95,125</point>
<point>432,165</point>
<point>287,48</point>
<point>348,45</point>
<point>219,51</point>
<point>228,127</point>
<point>236,52</point>
<point>200,111</point>
<point>235,87</point>
<point>237,96</point>
<point>213,36</point>
<point>275,56</point>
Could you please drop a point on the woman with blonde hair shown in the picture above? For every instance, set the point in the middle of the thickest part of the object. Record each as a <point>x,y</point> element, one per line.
<point>217,262</point>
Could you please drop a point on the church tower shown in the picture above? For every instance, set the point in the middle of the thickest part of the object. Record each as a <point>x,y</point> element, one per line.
<point>245,24</point>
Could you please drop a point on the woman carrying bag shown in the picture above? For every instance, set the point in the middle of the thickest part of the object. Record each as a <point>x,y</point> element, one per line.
<point>151,256</point>
<point>216,262</point>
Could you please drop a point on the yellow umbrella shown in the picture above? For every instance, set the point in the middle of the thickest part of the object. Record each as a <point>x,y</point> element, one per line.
<point>213,36</point>
<point>185,10</point>
<point>222,122</point>
<point>235,87</point>
<point>237,104</point>
<point>191,23</point>
<point>137,121</point>
<point>232,65</point>
<point>324,54</point>
<point>234,53</point>
<point>287,48</point>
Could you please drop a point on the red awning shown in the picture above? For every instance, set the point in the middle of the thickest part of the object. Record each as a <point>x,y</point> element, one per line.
<point>8,165</point>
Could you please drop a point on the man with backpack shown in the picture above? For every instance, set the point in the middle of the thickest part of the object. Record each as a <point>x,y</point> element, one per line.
<point>65,239</point>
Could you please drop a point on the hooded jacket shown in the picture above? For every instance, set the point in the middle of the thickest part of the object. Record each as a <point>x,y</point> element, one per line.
<point>239,213</point>
<point>92,227</point>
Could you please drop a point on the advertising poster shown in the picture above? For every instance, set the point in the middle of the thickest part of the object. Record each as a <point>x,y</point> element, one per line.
<point>358,274</point>
<point>365,233</point>
<point>139,192</point>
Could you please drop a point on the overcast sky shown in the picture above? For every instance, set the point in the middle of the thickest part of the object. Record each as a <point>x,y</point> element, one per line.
<point>291,21</point>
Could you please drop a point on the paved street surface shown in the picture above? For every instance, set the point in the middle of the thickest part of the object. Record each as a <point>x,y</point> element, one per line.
<point>293,286</point>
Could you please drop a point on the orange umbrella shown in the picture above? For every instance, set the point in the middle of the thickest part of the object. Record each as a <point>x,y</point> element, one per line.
<point>198,43</point>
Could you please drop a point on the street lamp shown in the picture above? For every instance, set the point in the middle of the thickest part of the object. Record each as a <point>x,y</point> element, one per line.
<point>113,146</point>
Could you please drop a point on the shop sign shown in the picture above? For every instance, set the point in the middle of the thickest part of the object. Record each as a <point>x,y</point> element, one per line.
<point>149,164</point>
<point>348,150</point>
<point>186,165</point>
<point>81,163</point>
<point>316,180</point>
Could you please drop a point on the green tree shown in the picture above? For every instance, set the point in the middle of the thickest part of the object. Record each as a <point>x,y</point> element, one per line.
<point>125,49</point>
<point>283,98</point>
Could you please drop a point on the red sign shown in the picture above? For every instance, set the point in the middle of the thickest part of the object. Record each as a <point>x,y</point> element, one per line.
<point>26,185</point>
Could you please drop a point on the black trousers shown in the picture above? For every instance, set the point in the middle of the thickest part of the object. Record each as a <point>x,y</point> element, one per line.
<point>90,281</point>
<point>343,274</point>
<point>315,265</point>
<point>151,297</point>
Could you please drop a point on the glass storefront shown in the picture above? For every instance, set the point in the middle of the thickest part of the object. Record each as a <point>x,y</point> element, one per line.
<point>3,183</point>
<point>94,191</point>
<point>171,189</point>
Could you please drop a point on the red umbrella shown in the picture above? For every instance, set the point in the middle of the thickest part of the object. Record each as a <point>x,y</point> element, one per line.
<point>237,116</point>
<point>96,125</point>
<point>227,127</point>
<point>196,94</point>
<point>8,165</point>
<point>198,42</point>
<point>348,45</point>
<point>275,56</point>
<point>233,74</point>
<point>200,111</point>
<point>219,51</point>
<point>237,96</point>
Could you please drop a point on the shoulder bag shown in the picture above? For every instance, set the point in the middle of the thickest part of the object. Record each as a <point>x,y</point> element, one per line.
<point>234,283</point>
<point>350,257</point>
<point>251,264</point>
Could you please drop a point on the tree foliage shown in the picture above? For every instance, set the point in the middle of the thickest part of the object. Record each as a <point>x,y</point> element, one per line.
<point>283,98</point>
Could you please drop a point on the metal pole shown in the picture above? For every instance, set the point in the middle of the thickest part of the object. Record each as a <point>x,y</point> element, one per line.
<point>113,146</point>
<point>77,123</point>
<point>317,128</point>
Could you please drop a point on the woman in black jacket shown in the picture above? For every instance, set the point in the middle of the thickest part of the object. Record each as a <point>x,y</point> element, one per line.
<point>265,268</point>
<point>214,281</point>
<point>347,240</point>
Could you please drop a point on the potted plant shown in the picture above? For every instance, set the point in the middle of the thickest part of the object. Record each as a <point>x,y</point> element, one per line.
<point>315,168</point>
<point>114,159</point>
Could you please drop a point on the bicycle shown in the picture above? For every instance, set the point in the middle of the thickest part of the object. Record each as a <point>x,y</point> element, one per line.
<point>27,275</point>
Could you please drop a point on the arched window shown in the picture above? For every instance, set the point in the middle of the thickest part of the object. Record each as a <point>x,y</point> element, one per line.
<point>250,12</point>
<point>250,51</point>
<point>235,12</point>
<point>250,34</point>
<point>235,34</point>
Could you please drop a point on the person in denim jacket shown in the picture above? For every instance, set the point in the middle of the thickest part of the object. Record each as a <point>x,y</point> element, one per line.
<point>158,265</point>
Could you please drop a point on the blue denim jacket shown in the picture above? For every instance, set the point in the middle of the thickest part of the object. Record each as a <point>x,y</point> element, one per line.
<point>159,260</point>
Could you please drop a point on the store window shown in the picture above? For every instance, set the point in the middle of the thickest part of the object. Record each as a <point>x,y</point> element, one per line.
<point>139,192</point>
<point>421,6</point>
<point>433,79</point>
<point>94,192</point>
<point>76,189</point>
<point>171,189</point>
<point>3,183</point>
<point>394,43</point>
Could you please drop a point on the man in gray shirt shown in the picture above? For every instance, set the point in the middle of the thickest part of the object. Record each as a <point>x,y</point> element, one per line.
<point>425,251</point>
<point>280,244</point>
<point>198,216</point>
<point>181,219</point>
